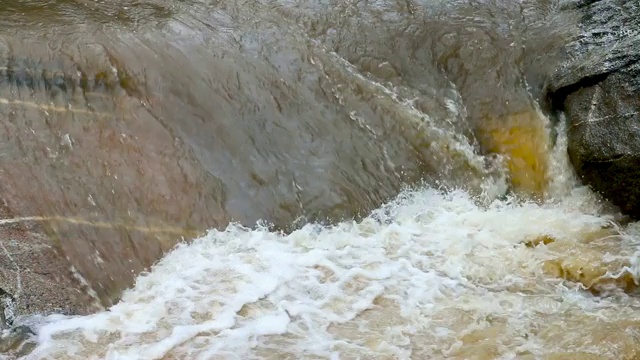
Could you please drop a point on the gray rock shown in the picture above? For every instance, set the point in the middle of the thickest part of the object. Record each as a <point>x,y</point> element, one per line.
<point>605,137</point>
<point>598,89</point>
<point>18,341</point>
<point>607,42</point>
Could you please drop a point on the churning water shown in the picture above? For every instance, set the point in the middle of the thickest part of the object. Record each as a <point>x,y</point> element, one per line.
<point>431,275</point>
<point>457,267</point>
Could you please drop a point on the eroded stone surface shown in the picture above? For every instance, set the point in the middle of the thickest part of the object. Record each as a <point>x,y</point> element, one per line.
<point>36,276</point>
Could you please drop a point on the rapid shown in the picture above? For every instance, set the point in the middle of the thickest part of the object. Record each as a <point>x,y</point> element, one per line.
<point>427,276</point>
<point>446,222</point>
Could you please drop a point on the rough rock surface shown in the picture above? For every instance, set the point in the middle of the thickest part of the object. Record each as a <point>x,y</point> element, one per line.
<point>598,88</point>
<point>35,277</point>
<point>97,214</point>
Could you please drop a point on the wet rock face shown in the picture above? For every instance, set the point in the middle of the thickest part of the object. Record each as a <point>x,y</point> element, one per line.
<point>117,148</point>
<point>93,172</point>
<point>598,89</point>
<point>605,137</point>
<point>115,144</point>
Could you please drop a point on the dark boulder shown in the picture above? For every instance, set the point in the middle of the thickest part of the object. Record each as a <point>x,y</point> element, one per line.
<point>605,137</point>
<point>599,90</point>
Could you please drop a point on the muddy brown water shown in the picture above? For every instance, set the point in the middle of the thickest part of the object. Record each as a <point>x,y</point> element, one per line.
<point>128,126</point>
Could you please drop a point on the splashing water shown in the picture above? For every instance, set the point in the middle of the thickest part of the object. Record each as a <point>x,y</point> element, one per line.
<point>427,276</point>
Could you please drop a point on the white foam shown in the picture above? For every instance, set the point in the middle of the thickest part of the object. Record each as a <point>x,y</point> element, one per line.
<point>409,281</point>
<point>243,293</point>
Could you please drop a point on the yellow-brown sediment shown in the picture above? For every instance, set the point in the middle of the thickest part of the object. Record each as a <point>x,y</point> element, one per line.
<point>597,260</point>
<point>523,139</point>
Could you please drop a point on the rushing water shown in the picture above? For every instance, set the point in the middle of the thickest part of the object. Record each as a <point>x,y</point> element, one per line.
<point>412,199</point>
<point>427,276</point>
